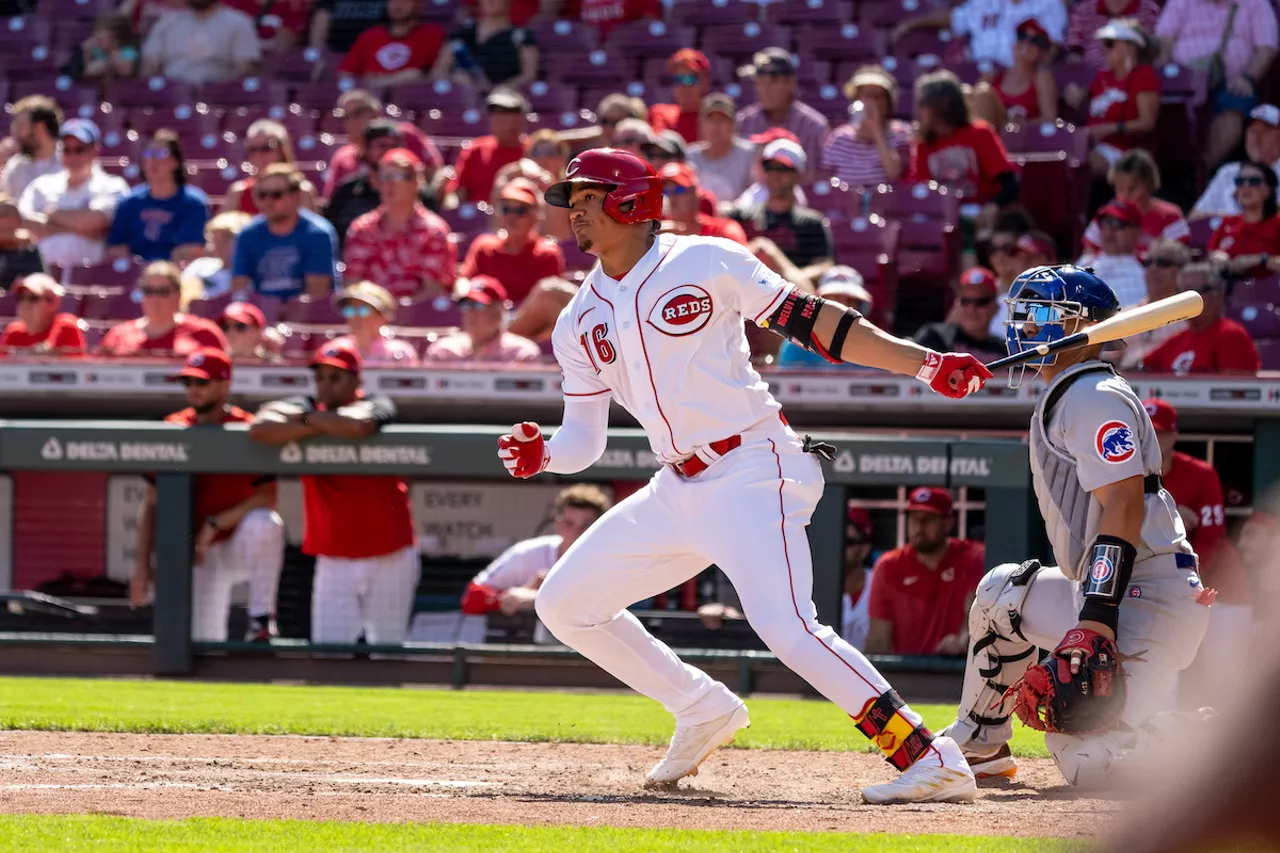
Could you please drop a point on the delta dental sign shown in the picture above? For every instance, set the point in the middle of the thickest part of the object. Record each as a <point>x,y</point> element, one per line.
<point>54,450</point>
<point>349,454</point>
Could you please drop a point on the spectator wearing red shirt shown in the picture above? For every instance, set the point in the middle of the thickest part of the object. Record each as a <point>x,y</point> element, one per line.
<point>358,527</point>
<point>1124,99</point>
<point>239,536</point>
<point>604,15</point>
<point>163,328</point>
<point>920,592</point>
<point>680,186</point>
<point>1025,91</point>
<point>1197,490</point>
<point>1211,343</point>
<point>281,23</point>
<point>358,108</point>
<point>401,245</point>
<point>400,51</point>
<point>1249,243</point>
<point>1136,178</point>
<point>957,150</point>
<point>517,255</point>
<point>40,329</point>
<point>690,72</point>
<point>479,163</point>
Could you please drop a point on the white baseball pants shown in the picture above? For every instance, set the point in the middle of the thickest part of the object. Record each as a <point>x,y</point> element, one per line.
<point>373,595</point>
<point>747,514</point>
<point>253,554</point>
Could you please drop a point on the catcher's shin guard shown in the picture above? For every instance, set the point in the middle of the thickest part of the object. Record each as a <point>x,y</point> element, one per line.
<point>1000,654</point>
<point>884,720</point>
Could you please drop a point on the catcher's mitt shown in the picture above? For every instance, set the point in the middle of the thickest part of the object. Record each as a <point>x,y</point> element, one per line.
<point>1052,699</point>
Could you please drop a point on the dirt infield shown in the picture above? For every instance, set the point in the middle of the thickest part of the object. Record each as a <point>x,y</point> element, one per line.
<point>369,779</point>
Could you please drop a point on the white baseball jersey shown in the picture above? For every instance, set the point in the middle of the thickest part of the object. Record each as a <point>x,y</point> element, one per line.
<point>667,341</point>
<point>519,565</point>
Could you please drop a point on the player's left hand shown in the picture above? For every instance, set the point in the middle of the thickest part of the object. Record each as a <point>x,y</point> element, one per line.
<point>953,374</point>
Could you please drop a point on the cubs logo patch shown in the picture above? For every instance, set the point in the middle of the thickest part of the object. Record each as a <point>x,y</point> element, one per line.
<point>681,311</point>
<point>1135,592</point>
<point>1114,442</point>
<point>1102,568</point>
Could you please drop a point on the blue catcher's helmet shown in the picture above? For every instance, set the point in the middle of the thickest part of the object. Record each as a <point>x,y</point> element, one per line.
<point>1040,302</point>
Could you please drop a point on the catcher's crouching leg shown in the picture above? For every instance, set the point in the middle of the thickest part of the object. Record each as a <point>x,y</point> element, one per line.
<point>998,657</point>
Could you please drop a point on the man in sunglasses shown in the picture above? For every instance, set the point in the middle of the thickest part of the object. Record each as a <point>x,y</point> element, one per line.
<point>483,336</point>
<point>690,72</point>
<point>968,326</point>
<point>680,187</point>
<point>289,250</point>
<point>1261,145</point>
<point>1211,343</point>
<point>801,233</point>
<point>401,244</point>
<point>360,109</point>
<point>516,255</point>
<point>239,536</point>
<point>774,73</point>
<point>479,163</point>
<point>1119,230</point>
<point>69,212</point>
<point>358,527</point>
<point>1164,262</point>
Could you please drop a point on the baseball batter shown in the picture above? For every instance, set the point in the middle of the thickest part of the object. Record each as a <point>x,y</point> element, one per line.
<point>1126,576</point>
<point>239,536</point>
<point>658,325</point>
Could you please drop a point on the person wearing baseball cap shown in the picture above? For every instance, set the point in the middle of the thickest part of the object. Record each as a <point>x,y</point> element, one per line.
<point>1261,145</point>
<point>690,72</point>
<point>798,233</point>
<point>64,209</point>
<point>1025,91</point>
<point>1197,491</point>
<point>682,208</point>
<point>968,325</point>
<point>478,165</point>
<point>39,327</point>
<point>367,308</point>
<point>773,70</point>
<point>723,159</point>
<point>484,336</point>
<point>1116,262</point>
<point>244,325</point>
<point>358,526</point>
<point>239,537</point>
<point>1136,179</point>
<point>920,592</point>
<point>516,255</point>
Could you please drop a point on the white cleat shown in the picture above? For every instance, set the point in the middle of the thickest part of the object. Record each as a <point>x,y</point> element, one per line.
<point>691,745</point>
<point>926,782</point>
<point>997,764</point>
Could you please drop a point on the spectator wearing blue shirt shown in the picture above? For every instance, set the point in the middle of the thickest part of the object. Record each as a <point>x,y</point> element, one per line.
<point>288,250</point>
<point>163,219</point>
<point>838,284</point>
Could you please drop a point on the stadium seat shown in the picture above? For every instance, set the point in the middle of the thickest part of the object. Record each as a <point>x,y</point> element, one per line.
<point>147,92</point>
<point>1047,138</point>
<point>210,309</point>
<point>916,201</point>
<point>119,274</point>
<point>440,312</point>
<point>560,121</point>
<point>312,312</point>
<point>73,10</point>
<point>1269,353</point>
<point>69,94</point>
<point>1202,229</point>
<point>831,198</point>
<point>886,13</point>
<point>297,65</point>
<point>271,306</point>
<point>813,73</point>
<point>249,92</point>
<point>114,306</point>
<point>313,147</point>
<point>216,180</point>
<point>648,38</point>
<point>917,44</point>
<point>458,123</point>
<point>826,12</point>
<point>439,11</point>
<point>1180,85</point>
<point>1073,73</point>
<point>321,95</point>
<point>869,244</point>
<point>592,95</point>
<point>601,68</point>
<point>551,97</point>
<point>702,13</point>
<point>1260,320</point>
<point>566,37</point>
<point>187,120</point>
<point>298,345</point>
<point>966,70</point>
<point>298,120</point>
<point>741,41</point>
<point>1255,291</point>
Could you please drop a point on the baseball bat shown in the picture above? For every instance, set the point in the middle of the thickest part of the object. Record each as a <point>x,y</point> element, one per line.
<point>1125,324</point>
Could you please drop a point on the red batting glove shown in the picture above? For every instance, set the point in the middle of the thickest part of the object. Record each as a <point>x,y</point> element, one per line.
<point>953,374</point>
<point>523,451</point>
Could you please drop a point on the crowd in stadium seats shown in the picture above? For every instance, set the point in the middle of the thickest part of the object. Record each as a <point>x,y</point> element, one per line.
<point>931,150</point>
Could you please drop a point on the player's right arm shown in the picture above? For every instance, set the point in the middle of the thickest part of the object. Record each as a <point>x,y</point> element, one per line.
<point>283,421</point>
<point>584,429</point>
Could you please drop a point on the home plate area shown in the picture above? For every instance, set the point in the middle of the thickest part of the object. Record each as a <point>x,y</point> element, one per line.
<point>373,779</point>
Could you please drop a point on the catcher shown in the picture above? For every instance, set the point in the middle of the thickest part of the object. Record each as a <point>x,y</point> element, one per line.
<point>1124,610</point>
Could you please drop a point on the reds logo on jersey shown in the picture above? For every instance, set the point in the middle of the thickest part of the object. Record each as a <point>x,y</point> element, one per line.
<point>681,311</point>
<point>1114,442</point>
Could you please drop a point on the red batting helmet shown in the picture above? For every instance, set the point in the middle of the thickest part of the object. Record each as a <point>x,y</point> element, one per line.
<point>629,180</point>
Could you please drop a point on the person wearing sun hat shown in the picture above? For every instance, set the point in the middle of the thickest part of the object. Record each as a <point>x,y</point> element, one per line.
<point>367,308</point>
<point>873,147</point>
<point>1124,97</point>
<point>483,336</point>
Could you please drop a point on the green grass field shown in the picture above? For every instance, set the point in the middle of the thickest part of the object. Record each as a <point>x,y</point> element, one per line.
<point>185,707</point>
<point>180,707</point>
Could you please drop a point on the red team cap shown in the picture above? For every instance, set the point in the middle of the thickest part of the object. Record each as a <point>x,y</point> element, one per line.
<point>861,520</point>
<point>679,174</point>
<point>687,57</point>
<point>930,499</point>
<point>1032,27</point>
<point>484,289</point>
<point>1126,211</point>
<point>772,134</point>
<point>208,363</point>
<point>980,277</point>
<point>338,354</point>
<point>245,312</point>
<point>521,191</point>
<point>1164,417</point>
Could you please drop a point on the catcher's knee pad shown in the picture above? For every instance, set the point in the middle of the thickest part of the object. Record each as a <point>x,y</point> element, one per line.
<point>901,740</point>
<point>1088,761</point>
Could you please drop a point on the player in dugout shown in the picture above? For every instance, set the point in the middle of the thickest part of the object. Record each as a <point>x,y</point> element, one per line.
<point>239,536</point>
<point>359,528</point>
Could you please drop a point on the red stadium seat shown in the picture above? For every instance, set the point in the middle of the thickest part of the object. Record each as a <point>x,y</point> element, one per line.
<point>1255,291</point>
<point>551,97</point>
<point>147,92</point>
<point>917,44</point>
<point>1047,138</point>
<point>439,11</point>
<point>1202,229</point>
<point>114,274</point>
<point>869,244</point>
<point>299,345</point>
<point>916,201</point>
<point>251,91</point>
<point>702,13</point>
<point>1260,320</point>
<point>315,146</point>
<point>187,120</point>
<point>648,38</point>
<point>73,10</point>
<point>116,306</point>
<point>602,67</point>
<point>1073,73</point>
<point>566,37</point>
<point>1180,85</point>
<point>460,123</point>
<point>1269,353</point>
<point>831,198</point>
<point>826,12</point>
<point>740,41</point>
<point>210,309</point>
<point>314,312</point>
<point>318,96</point>
<point>440,312</point>
<point>886,13</point>
<point>440,95</point>
<point>297,65</point>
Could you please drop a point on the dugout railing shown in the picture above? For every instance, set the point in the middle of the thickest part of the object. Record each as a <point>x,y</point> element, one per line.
<point>174,455</point>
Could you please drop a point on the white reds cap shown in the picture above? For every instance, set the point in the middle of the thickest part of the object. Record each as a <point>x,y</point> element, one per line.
<point>844,281</point>
<point>1118,30</point>
<point>786,152</point>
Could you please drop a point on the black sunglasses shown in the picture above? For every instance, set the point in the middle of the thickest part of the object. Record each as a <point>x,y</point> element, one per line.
<point>158,291</point>
<point>1037,40</point>
<point>774,166</point>
<point>515,209</point>
<point>270,194</point>
<point>977,301</point>
<point>1250,181</point>
<point>1162,263</point>
<point>236,327</point>
<point>1108,43</point>
<point>188,381</point>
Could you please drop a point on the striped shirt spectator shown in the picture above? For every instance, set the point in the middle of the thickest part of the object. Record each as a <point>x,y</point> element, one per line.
<point>873,148</point>
<point>857,162</point>
<point>1089,16</point>
<point>1195,28</point>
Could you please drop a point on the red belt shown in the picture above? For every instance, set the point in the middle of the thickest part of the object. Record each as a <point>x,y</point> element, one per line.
<point>695,465</point>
